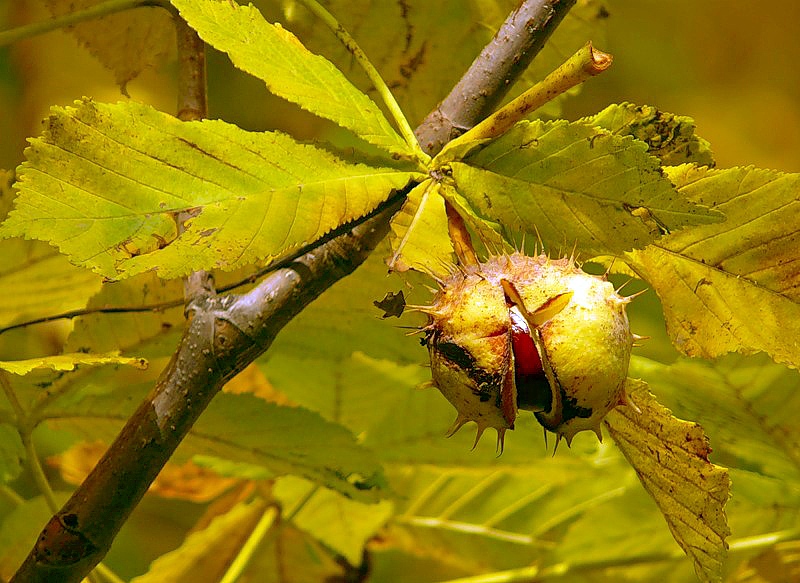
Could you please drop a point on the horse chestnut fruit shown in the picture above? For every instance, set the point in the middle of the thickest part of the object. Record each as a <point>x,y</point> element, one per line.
<point>531,333</point>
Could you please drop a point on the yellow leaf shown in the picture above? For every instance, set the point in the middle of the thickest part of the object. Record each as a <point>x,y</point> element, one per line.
<point>671,458</point>
<point>419,233</point>
<point>68,362</point>
<point>290,71</point>
<point>732,286</point>
<point>106,183</point>
<point>206,554</point>
<point>127,43</point>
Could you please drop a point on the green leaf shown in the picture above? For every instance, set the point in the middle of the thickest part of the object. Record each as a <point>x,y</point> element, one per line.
<point>206,555</point>
<point>241,428</point>
<point>733,286</point>
<point>276,56</point>
<point>575,184</point>
<point>68,362</point>
<point>480,519</point>
<point>671,458</point>
<point>669,137</point>
<point>419,237</point>
<point>341,524</point>
<point>106,183</point>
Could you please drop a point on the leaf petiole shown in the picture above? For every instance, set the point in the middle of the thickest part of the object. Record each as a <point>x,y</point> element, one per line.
<point>372,73</point>
<point>585,63</point>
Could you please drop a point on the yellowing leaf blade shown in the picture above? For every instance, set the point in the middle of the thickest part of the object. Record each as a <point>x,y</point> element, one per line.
<point>733,286</point>
<point>669,137</point>
<point>126,43</point>
<point>68,362</point>
<point>206,555</point>
<point>268,224</point>
<point>106,183</point>
<point>43,281</point>
<point>571,183</point>
<point>291,71</point>
<point>671,458</point>
<point>419,237</point>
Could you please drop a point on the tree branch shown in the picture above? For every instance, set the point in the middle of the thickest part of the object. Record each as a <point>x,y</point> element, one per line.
<point>493,72</point>
<point>192,105</point>
<point>226,333</point>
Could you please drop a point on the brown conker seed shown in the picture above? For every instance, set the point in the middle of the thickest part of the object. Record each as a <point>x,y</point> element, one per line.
<point>571,368</point>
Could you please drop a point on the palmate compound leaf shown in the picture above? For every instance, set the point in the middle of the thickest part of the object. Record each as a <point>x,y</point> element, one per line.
<point>276,56</point>
<point>411,42</point>
<point>574,184</point>
<point>732,286</point>
<point>671,458</point>
<point>105,183</point>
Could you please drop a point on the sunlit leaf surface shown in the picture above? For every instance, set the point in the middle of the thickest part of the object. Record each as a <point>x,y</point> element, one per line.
<point>67,362</point>
<point>106,184</point>
<point>419,238</point>
<point>571,183</point>
<point>732,286</point>
<point>276,56</point>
